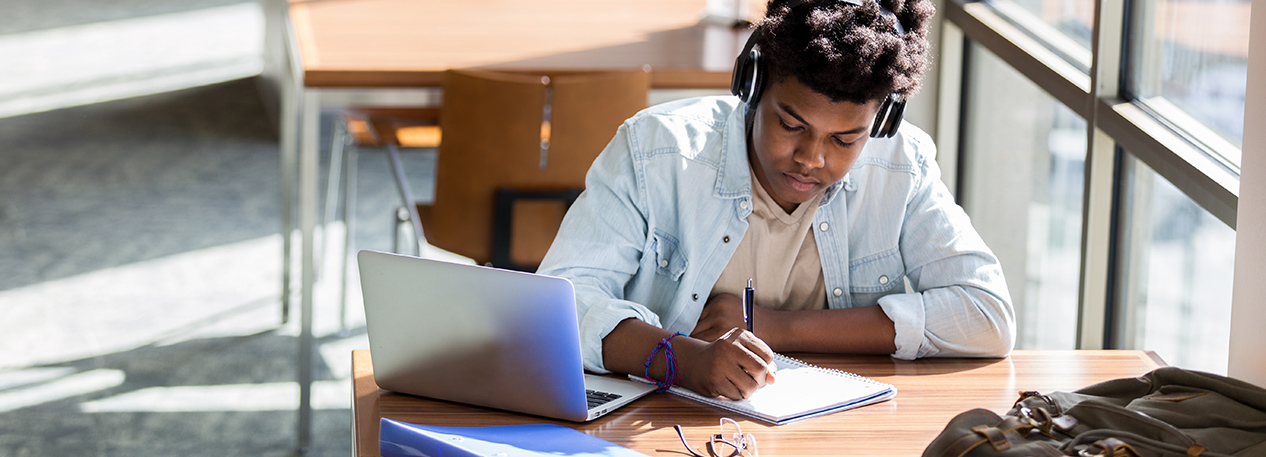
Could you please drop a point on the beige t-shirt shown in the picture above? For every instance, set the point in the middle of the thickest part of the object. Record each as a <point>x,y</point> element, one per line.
<point>779,254</point>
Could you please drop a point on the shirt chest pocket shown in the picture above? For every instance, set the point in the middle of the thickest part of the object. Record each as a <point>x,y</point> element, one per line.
<point>666,257</point>
<point>876,274</point>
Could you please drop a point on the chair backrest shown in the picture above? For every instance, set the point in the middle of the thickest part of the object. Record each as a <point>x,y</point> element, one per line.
<point>526,132</point>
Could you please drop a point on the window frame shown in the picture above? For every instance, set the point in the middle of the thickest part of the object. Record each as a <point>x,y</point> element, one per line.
<point>1115,123</point>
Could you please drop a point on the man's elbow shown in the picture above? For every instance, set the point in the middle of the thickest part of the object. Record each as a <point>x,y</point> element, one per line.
<point>992,337</point>
<point>998,346</point>
<point>996,337</point>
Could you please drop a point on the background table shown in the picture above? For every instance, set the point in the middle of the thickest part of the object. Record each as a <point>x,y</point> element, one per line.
<point>930,392</point>
<point>410,43</point>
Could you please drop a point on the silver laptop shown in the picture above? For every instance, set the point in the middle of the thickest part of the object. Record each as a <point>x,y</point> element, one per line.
<point>484,336</point>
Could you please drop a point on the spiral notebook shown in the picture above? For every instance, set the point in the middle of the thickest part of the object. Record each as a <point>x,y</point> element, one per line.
<point>802,391</point>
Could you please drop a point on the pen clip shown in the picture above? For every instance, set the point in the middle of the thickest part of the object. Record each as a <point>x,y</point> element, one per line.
<point>748,304</point>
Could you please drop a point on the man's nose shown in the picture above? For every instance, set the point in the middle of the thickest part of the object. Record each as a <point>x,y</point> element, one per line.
<point>809,153</point>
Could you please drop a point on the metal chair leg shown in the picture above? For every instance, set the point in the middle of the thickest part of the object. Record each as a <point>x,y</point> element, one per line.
<point>406,196</point>
<point>332,193</point>
<point>349,229</point>
<point>395,232</point>
<point>332,189</point>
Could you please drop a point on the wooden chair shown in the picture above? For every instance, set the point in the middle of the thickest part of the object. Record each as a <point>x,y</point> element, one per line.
<point>514,155</point>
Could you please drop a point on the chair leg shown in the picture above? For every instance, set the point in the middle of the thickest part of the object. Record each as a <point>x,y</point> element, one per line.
<point>349,232</point>
<point>406,196</point>
<point>396,222</point>
<point>332,188</point>
<point>331,192</point>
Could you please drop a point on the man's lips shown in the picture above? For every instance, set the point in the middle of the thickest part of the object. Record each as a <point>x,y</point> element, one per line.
<point>800,183</point>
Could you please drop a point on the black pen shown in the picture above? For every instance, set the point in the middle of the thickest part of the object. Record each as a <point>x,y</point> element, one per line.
<point>748,303</point>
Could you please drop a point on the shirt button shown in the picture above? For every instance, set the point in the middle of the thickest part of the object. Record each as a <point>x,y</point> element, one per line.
<point>743,204</point>
<point>726,239</point>
<point>824,226</point>
<point>694,297</point>
<point>837,292</point>
<point>883,280</point>
<point>663,263</point>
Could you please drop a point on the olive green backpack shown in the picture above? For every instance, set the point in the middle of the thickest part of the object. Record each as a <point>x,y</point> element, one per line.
<point>1167,412</point>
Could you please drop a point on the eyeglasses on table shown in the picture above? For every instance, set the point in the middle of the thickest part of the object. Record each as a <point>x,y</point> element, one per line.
<point>731,442</point>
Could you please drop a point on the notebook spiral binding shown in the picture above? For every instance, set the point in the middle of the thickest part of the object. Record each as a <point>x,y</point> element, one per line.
<point>829,370</point>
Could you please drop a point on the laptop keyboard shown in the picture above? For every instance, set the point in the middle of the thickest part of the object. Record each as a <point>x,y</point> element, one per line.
<point>597,398</point>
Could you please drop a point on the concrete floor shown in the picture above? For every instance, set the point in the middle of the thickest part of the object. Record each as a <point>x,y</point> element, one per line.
<point>140,267</point>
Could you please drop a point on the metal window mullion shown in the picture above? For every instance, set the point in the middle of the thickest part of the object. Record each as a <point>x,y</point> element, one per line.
<point>1203,179</point>
<point>1059,78</point>
<point>1098,199</point>
<point>1134,247</point>
<point>1096,240</point>
<point>949,104</point>
<point>1196,132</point>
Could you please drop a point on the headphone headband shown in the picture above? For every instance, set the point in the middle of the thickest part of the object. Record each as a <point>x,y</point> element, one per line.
<point>748,80</point>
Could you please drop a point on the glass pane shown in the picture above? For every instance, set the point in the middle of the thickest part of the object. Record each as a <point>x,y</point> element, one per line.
<point>1066,26</point>
<point>1176,264</point>
<point>1023,162</point>
<point>1190,65</point>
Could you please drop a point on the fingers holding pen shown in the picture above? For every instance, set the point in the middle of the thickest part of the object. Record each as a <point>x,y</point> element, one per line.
<point>760,365</point>
<point>734,366</point>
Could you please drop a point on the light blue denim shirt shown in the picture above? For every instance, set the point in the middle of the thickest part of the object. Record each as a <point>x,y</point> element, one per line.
<point>667,202</point>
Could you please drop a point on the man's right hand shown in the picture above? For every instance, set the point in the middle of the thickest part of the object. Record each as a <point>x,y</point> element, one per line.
<point>734,366</point>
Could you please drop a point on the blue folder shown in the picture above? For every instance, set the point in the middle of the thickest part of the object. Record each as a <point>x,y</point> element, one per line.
<point>401,439</point>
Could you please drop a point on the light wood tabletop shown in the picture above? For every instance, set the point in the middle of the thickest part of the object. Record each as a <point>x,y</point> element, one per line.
<point>930,392</point>
<point>410,43</point>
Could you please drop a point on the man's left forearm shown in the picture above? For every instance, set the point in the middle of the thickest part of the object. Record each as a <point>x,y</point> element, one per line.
<point>865,330</point>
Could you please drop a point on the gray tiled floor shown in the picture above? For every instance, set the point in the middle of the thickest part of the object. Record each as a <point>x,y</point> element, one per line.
<point>139,282</point>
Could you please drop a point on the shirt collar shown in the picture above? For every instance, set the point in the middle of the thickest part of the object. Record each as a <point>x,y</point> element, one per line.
<point>733,177</point>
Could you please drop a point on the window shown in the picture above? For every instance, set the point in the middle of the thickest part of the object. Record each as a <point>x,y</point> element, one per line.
<point>1029,210</point>
<point>1103,248</point>
<point>1190,66</point>
<point>1176,267</point>
<point>1063,25</point>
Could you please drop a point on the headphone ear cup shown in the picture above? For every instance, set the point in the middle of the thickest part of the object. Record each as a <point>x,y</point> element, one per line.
<point>748,73</point>
<point>748,76</point>
<point>889,117</point>
<point>757,79</point>
<point>881,117</point>
<point>894,118</point>
<point>738,78</point>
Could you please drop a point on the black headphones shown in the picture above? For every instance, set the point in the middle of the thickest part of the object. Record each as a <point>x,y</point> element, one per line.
<point>749,80</point>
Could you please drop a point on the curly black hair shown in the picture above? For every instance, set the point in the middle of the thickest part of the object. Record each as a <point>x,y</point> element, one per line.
<point>847,52</point>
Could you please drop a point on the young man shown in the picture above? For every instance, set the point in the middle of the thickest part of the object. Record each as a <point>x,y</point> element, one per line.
<point>785,187</point>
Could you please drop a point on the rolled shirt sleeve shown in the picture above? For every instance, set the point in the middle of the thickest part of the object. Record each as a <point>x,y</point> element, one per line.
<point>961,306</point>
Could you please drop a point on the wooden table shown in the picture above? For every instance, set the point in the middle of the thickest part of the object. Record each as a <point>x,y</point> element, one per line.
<point>410,43</point>
<point>930,392</point>
<point>365,51</point>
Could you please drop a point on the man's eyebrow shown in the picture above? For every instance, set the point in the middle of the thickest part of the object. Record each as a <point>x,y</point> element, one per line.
<point>792,112</point>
